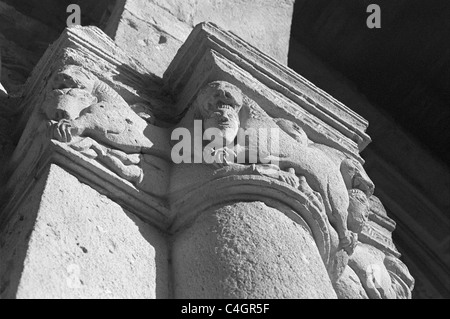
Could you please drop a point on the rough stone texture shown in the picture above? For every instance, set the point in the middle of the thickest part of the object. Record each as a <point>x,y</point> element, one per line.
<point>265,24</point>
<point>211,53</point>
<point>79,244</point>
<point>89,110</point>
<point>153,31</point>
<point>358,210</point>
<point>348,286</point>
<point>247,250</point>
<point>409,181</point>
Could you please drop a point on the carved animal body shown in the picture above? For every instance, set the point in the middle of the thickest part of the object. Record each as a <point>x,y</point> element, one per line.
<point>321,173</point>
<point>105,116</point>
<point>114,125</point>
<point>323,177</point>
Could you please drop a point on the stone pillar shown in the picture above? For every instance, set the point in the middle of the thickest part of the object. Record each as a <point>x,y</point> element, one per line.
<point>66,240</point>
<point>81,224</point>
<point>248,250</point>
<point>112,213</point>
<point>223,224</point>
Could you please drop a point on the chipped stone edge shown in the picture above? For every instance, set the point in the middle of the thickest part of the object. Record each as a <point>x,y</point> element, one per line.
<point>187,206</point>
<point>207,36</point>
<point>150,208</point>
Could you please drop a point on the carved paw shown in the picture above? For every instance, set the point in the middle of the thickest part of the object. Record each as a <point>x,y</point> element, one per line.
<point>349,242</point>
<point>62,131</point>
<point>289,178</point>
<point>223,157</point>
<point>314,197</point>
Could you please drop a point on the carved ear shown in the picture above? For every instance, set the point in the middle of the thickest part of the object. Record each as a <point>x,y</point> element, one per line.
<point>293,130</point>
<point>248,110</point>
<point>73,76</point>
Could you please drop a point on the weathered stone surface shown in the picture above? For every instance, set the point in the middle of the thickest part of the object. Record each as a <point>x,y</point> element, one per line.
<point>221,101</point>
<point>358,210</point>
<point>348,286</point>
<point>80,244</point>
<point>409,181</point>
<point>146,42</point>
<point>62,88</point>
<point>247,250</point>
<point>265,24</point>
<point>153,31</point>
<point>348,189</point>
<point>90,111</point>
<point>210,53</point>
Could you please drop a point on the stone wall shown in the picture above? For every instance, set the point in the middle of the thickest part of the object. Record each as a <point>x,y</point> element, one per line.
<point>153,31</point>
<point>103,193</point>
<point>77,243</point>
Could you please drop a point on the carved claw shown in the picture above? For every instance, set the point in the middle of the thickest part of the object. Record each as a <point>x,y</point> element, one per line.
<point>223,157</point>
<point>349,242</point>
<point>99,149</point>
<point>62,131</point>
<point>314,197</point>
<point>289,177</point>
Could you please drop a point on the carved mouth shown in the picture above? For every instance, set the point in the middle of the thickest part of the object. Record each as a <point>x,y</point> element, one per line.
<point>224,124</point>
<point>223,106</point>
<point>365,186</point>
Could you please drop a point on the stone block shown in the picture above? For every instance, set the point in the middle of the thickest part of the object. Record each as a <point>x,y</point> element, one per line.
<point>153,31</point>
<point>69,241</point>
<point>247,250</point>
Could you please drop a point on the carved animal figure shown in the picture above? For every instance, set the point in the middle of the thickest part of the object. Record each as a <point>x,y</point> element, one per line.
<point>221,98</point>
<point>353,173</point>
<point>79,105</point>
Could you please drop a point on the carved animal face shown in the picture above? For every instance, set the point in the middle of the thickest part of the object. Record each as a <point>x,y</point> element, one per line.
<point>71,77</point>
<point>293,130</point>
<point>219,104</point>
<point>69,92</point>
<point>67,103</point>
<point>356,177</point>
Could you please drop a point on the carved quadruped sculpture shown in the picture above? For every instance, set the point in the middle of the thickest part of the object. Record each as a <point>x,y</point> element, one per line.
<point>264,211</point>
<point>222,105</point>
<point>379,274</point>
<point>332,180</point>
<point>93,119</point>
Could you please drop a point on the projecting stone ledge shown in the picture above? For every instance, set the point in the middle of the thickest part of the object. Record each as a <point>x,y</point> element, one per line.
<point>96,162</point>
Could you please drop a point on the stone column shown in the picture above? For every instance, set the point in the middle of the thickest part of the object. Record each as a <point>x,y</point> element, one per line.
<point>235,232</point>
<point>110,213</point>
<point>83,219</point>
<point>248,250</point>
